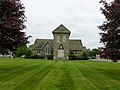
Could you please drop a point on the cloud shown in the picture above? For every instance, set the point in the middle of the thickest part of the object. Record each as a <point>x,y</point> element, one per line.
<point>81,17</point>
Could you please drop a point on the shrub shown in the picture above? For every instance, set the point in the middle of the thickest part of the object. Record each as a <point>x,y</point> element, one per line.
<point>41,57</point>
<point>35,57</point>
<point>28,53</point>
<point>32,57</point>
<point>73,57</point>
<point>50,57</point>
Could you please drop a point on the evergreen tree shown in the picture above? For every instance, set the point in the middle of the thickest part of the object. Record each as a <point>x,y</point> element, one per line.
<point>110,28</point>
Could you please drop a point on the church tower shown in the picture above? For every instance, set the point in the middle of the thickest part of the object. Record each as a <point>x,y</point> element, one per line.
<point>61,43</point>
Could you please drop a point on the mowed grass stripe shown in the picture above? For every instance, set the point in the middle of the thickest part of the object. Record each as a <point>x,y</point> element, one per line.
<point>81,82</point>
<point>51,80</point>
<point>32,82</point>
<point>24,77</point>
<point>15,67</point>
<point>90,75</point>
<point>13,71</point>
<point>108,70</point>
<point>99,76</point>
<point>65,79</point>
<point>22,74</point>
<point>57,79</point>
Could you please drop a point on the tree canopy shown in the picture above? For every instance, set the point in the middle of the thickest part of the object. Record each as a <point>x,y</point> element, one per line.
<point>12,20</point>
<point>110,28</point>
<point>24,50</point>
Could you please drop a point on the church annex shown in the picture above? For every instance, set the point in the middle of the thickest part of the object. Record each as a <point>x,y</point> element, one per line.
<point>61,46</point>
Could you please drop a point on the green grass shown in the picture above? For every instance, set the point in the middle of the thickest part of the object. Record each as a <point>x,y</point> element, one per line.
<point>24,74</point>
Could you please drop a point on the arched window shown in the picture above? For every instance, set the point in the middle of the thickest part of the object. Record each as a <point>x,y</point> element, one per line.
<point>47,49</point>
<point>61,47</point>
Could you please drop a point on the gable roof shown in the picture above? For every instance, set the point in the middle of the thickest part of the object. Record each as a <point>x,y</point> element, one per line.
<point>39,43</point>
<point>73,44</point>
<point>47,42</point>
<point>61,30</point>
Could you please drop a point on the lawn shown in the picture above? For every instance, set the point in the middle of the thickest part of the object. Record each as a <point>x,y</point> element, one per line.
<point>25,74</point>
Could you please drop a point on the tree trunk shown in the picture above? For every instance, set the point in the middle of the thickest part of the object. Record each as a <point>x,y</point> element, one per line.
<point>11,57</point>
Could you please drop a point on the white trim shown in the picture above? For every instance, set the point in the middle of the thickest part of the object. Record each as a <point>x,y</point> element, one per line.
<point>46,43</point>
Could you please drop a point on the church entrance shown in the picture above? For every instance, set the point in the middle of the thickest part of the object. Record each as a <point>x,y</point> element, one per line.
<point>61,51</point>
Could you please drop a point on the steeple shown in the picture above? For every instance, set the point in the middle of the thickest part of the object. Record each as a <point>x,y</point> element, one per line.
<point>61,30</point>
<point>61,42</point>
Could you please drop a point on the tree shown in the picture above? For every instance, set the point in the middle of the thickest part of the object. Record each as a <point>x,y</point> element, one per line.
<point>21,50</point>
<point>12,20</point>
<point>24,50</point>
<point>89,52</point>
<point>93,52</point>
<point>110,35</point>
<point>85,55</point>
<point>29,51</point>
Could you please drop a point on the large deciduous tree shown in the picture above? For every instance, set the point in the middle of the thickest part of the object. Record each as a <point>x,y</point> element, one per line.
<point>110,28</point>
<point>12,20</point>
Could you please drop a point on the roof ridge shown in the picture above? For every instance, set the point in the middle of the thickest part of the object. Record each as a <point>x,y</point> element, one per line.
<point>61,29</point>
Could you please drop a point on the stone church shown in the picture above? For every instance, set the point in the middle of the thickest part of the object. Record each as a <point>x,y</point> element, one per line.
<point>61,46</point>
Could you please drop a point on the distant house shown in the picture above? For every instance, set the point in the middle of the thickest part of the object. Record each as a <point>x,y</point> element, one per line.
<point>61,46</point>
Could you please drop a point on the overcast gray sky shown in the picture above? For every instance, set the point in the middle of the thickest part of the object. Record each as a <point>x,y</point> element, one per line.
<point>81,17</point>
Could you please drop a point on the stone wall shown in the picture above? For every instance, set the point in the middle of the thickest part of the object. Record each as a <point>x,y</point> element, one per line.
<point>59,39</point>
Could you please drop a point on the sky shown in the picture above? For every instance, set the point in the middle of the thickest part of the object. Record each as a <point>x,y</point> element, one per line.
<point>81,17</point>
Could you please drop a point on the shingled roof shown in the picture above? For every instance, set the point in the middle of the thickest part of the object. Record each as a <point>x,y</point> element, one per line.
<point>39,43</point>
<point>73,44</point>
<point>61,30</point>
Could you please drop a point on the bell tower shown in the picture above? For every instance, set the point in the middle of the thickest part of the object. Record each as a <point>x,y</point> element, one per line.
<point>61,43</point>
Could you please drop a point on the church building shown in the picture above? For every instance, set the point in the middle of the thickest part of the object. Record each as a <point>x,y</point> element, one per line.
<point>60,46</point>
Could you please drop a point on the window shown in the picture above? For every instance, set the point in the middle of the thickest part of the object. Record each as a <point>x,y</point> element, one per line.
<point>64,39</point>
<point>37,51</point>
<point>75,52</point>
<point>47,49</point>
<point>57,39</point>
<point>61,47</point>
